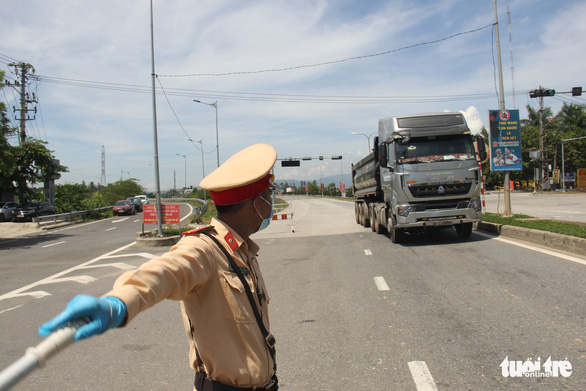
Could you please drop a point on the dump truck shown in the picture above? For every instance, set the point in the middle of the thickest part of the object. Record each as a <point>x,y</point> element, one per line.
<point>423,173</point>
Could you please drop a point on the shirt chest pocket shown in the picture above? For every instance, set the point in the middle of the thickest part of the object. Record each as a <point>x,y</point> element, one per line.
<point>237,305</point>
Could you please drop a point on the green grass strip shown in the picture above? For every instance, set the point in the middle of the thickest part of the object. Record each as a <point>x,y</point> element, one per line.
<point>536,223</point>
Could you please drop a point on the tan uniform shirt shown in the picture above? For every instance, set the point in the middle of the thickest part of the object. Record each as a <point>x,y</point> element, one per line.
<point>217,314</point>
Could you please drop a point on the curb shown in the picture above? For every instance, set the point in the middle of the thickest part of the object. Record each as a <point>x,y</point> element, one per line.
<point>566,243</point>
<point>153,241</point>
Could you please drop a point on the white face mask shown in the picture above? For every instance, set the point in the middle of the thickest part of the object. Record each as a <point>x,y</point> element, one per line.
<point>265,221</point>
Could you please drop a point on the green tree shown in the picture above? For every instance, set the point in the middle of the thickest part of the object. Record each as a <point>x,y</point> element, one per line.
<point>571,120</point>
<point>314,189</point>
<point>121,190</point>
<point>71,197</point>
<point>34,163</point>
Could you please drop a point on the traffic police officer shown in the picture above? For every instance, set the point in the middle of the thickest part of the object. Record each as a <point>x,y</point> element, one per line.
<point>213,271</point>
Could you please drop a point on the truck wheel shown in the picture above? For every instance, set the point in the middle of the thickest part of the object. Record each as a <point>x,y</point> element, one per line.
<point>373,218</point>
<point>396,233</point>
<point>463,230</point>
<point>357,212</point>
<point>365,216</point>
<point>380,228</point>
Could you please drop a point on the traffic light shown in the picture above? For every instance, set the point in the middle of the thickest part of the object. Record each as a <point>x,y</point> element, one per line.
<point>541,92</point>
<point>577,91</point>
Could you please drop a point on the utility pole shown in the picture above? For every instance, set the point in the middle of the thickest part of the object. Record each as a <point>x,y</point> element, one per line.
<point>540,93</point>
<point>507,184</point>
<point>543,153</point>
<point>22,69</point>
<point>103,178</point>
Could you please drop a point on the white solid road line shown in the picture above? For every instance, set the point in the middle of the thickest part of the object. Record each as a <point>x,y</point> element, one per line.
<point>53,244</point>
<point>534,248</point>
<point>381,284</point>
<point>421,375</point>
<point>50,279</point>
<point>189,214</point>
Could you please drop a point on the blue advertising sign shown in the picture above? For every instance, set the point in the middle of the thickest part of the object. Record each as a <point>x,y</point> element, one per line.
<point>570,177</point>
<point>505,140</point>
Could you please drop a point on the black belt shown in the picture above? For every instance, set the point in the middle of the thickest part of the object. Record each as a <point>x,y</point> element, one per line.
<point>204,383</point>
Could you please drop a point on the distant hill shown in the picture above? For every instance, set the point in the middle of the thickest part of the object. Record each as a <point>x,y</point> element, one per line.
<point>326,181</point>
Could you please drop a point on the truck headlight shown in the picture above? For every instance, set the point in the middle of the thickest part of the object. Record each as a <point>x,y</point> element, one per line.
<point>404,210</point>
<point>476,205</point>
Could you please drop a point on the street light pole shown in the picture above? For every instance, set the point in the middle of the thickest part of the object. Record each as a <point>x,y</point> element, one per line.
<point>215,105</point>
<point>203,170</point>
<point>184,157</point>
<point>155,136</point>
<point>367,138</point>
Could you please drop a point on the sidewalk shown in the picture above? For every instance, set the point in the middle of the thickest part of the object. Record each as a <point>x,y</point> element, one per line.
<point>10,230</point>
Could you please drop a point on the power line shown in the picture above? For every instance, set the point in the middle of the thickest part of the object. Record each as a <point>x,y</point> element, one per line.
<point>179,122</point>
<point>334,61</point>
<point>261,96</point>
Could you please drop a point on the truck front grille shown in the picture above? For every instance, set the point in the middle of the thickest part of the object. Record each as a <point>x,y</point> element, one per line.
<point>439,190</point>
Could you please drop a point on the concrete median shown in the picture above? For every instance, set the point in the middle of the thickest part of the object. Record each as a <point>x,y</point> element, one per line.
<point>556,241</point>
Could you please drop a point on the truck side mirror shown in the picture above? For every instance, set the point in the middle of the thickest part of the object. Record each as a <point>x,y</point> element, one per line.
<point>482,153</point>
<point>382,154</point>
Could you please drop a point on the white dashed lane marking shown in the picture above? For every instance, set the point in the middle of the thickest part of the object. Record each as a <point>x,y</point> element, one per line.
<point>381,284</point>
<point>367,252</point>
<point>421,375</point>
<point>53,244</point>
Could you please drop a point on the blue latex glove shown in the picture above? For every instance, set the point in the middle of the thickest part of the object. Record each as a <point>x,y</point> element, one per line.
<point>104,313</point>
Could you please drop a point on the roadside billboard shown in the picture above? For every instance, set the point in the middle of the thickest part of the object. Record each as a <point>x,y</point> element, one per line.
<point>505,140</point>
<point>581,182</point>
<point>169,213</point>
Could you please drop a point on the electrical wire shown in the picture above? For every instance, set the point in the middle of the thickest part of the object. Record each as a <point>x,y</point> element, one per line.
<point>265,97</point>
<point>173,110</point>
<point>334,61</point>
<point>179,122</point>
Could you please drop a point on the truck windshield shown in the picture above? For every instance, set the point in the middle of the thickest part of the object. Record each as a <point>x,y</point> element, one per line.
<point>435,148</point>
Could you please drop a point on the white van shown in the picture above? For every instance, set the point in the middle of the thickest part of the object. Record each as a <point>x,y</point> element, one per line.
<point>143,199</point>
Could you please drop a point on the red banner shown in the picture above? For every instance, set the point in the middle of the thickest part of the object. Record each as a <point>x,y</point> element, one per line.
<point>170,214</point>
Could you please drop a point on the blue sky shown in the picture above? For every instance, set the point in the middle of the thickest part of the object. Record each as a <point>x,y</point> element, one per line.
<point>93,63</point>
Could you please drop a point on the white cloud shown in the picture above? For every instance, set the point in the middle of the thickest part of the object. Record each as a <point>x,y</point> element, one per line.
<point>473,119</point>
<point>109,42</point>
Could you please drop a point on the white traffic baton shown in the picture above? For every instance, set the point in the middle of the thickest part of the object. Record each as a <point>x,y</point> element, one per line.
<point>36,357</point>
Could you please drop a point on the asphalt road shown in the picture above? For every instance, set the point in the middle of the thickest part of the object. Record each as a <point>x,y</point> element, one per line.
<point>549,205</point>
<point>350,309</point>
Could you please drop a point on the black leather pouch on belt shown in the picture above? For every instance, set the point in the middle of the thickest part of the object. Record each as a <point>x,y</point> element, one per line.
<point>204,383</point>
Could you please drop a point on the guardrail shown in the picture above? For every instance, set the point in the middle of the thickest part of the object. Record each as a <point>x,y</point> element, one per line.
<point>44,221</point>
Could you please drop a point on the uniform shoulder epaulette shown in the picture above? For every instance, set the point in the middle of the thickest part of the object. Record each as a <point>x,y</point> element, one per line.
<point>207,228</point>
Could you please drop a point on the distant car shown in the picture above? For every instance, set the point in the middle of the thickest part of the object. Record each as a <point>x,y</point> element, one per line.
<point>34,209</point>
<point>123,207</point>
<point>136,202</point>
<point>7,210</point>
<point>143,199</point>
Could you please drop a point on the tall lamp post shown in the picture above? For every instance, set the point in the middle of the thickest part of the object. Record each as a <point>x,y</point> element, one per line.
<point>203,170</point>
<point>155,134</point>
<point>367,137</point>
<point>185,158</point>
<point>215,105</point>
